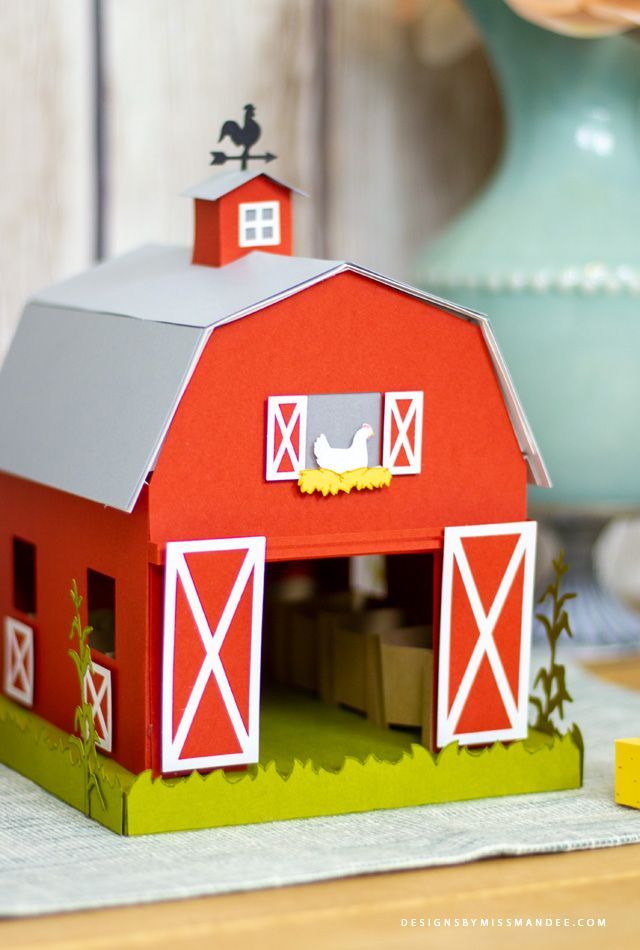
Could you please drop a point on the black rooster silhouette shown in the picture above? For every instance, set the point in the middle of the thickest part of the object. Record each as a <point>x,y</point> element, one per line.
<point>247,134</point>
<point>244,136</point>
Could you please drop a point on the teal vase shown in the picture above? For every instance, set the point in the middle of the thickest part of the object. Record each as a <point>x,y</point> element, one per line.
<point>550,251</point>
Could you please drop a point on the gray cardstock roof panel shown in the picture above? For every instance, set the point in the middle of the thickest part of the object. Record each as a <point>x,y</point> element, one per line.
<point>159,282</point>
<point>100,362</point>
<point>85,398</point>
<point>216,186</point>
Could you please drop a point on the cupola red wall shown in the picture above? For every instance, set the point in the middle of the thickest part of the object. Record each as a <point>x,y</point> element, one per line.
<point>217,223</point>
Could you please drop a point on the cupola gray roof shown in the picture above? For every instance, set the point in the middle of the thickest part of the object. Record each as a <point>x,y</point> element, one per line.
<point>218,185</point>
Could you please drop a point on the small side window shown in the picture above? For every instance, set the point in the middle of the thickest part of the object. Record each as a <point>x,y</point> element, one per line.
<point>101,604</point>
<point>24,576</point>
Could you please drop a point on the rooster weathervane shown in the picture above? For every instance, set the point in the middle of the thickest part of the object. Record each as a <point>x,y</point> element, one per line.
<point>242,135</point>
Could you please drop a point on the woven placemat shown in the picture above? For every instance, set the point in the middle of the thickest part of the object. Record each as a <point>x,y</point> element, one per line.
<point>54,859</point>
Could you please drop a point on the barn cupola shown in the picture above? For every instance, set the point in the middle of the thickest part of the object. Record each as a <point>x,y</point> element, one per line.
<point>241,211</point>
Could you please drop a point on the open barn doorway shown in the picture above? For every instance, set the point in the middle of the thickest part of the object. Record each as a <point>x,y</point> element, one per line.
<point>347,659</point>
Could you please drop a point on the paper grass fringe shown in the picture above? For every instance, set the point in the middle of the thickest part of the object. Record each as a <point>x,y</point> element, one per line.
<point>139,804</point>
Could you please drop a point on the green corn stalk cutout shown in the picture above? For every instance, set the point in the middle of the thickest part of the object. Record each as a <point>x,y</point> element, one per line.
<point>552,679</point>
<point>86,741</point>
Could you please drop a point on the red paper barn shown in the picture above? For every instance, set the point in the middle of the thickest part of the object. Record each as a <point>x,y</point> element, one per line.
<point>155,415</point>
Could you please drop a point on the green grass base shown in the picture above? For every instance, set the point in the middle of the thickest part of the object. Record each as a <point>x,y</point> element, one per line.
<point>296,725</point>
<point>43,753</point>
<point>315,760</point>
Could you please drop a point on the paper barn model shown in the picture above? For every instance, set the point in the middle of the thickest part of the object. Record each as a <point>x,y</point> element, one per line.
<point>204,439</point>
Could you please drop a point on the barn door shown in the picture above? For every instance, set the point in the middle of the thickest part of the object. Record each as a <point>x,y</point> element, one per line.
<point>211,653</point>
<point>485,633</point>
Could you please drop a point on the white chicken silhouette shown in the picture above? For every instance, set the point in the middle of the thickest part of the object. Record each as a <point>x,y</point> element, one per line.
<point>344,460</point>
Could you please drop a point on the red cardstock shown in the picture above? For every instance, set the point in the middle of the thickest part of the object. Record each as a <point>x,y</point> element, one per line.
<point>217,223</point>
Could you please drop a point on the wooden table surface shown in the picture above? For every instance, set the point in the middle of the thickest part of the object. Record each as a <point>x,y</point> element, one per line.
<point>367,912</point>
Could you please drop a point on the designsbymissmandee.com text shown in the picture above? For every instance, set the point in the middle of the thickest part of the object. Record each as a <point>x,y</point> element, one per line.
<point>517,923</point>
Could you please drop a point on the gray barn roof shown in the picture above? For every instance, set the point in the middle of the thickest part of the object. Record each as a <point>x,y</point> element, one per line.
<point>99,363</point>
<point>159,283</point>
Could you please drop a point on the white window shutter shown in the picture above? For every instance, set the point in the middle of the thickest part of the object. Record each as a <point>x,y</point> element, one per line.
<point>97,691</point>
<point>286,437</point>
<point>402,437</point>
<point>18,661</point>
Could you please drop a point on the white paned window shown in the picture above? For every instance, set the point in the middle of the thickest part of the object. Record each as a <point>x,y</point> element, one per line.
<point>260,224</point>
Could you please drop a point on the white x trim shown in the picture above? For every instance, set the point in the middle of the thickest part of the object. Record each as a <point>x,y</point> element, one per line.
<point>101,703</point>
<point>275,422</point>
<point>391,449</point>
<point>18,661</point>
<point>178,570</point>
<point>516,708</point>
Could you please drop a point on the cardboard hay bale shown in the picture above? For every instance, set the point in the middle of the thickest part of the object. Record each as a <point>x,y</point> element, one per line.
<point>359,622</point>
<point>387,674</point>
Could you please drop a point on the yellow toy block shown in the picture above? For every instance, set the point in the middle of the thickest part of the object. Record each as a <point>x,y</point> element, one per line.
<point>628,772</point>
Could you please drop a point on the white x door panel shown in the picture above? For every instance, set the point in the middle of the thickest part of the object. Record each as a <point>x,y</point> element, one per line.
<point>211,653</point>
<point>485,633</point>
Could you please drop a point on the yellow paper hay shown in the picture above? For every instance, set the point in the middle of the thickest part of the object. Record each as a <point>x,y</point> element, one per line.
<point>330,483</point>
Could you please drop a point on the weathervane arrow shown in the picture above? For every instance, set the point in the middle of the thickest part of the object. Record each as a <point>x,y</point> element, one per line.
<point>221,158</point>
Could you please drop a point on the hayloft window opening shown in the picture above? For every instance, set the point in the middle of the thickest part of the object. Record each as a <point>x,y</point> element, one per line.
<point>101,604</point>
<point>260,224</point>
<point>24,576</point>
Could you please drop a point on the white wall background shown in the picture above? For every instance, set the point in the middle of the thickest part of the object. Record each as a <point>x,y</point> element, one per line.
<point>109,109</point>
